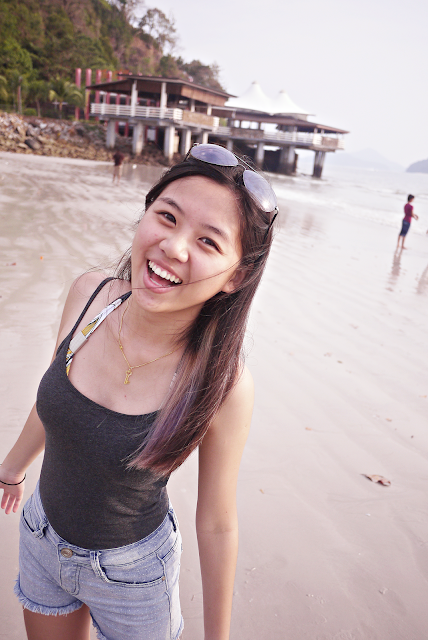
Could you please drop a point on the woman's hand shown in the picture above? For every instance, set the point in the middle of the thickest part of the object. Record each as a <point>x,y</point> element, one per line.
<point>12,493</point>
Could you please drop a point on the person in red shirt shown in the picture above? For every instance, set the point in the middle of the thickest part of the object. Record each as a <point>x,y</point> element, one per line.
<point>408,215</point>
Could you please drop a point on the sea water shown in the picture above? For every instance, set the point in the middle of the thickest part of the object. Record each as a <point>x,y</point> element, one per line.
<point>378,196</point>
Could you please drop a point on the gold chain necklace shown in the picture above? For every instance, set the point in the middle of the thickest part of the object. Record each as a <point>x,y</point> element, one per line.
<point>128,373</point>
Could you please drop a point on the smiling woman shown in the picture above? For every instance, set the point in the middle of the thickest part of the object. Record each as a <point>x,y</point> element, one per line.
<point>156,378</point>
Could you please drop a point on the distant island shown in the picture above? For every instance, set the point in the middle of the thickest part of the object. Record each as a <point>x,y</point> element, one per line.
<point>418,167</point>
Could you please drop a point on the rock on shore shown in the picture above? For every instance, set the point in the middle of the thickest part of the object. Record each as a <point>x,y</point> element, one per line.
<point>62,138</point>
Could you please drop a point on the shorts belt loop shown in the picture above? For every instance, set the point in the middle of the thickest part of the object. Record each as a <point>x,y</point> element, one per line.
<point>95,563</point>
<point>41,530</point>
<point>173,519</point>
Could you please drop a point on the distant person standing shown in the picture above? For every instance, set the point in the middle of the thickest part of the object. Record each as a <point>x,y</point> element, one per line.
<point>118,159</point>
<point>408,215</point>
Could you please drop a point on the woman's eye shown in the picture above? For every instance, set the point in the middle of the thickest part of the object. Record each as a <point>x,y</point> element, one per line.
<point>210,243</point>
<point>168,216</point>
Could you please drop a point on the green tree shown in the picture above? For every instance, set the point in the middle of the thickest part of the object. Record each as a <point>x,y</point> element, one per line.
<point>159,29</point>
<point>14,58</point>
<point>4,93</point>
<point>18,84</point>
<point>63,91</point>
<point>129,9</point>
<point>167,67</point>
<point>204,74</point>
<point>38,91</point>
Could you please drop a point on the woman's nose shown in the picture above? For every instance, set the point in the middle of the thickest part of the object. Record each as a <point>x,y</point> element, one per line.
<point>175,247</point>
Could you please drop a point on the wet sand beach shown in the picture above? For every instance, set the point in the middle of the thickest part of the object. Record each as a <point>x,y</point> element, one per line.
<point>337,345</point>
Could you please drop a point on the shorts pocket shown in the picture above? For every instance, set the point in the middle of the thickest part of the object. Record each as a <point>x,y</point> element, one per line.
<point>146,572</point>
<point>31,520</point>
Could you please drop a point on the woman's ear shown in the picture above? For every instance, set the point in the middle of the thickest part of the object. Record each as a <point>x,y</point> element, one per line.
<point>235,281</point>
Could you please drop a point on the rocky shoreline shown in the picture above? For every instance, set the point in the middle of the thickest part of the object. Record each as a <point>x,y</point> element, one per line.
<point>65,139</point>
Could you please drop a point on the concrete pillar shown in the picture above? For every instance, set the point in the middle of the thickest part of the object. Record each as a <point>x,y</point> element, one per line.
<point>117,103</point>
<point>209,109</point>
<point>138,138</point>
<point>88,93</point>
<point>111,134</point>
<point>168,147</point>
<point>163,96</point>
<point>286,160</point>
<point>318,164</point>
<point>134,97</point>
<point>186,141</point>
<point>260,154</point>
<point>203,137</point>
<point>192,104</point>
<point>127,122</point>
<point>109,77</point>
<point>229,145</point>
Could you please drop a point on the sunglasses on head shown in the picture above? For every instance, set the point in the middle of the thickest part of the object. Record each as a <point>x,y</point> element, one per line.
<point>258,187</point>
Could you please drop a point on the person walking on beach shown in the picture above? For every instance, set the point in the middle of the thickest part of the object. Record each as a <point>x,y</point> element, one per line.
<point>408,215</point>
<point>147,367</point>
<point>118,159</point>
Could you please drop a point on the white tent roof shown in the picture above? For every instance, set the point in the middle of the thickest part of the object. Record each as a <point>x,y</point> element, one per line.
<point>254,99</point>
<point>284,104</point>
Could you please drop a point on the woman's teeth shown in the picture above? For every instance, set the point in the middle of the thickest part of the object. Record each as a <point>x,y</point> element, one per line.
<point>163,274</point>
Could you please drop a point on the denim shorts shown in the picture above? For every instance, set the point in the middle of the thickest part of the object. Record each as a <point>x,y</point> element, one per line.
<point>405,226</point>
<point>131,591</point>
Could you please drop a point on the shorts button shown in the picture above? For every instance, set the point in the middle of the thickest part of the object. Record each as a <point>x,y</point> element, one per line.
<point>66,553</point>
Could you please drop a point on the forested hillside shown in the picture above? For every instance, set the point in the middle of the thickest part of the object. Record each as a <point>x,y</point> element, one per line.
<point>44,39</point>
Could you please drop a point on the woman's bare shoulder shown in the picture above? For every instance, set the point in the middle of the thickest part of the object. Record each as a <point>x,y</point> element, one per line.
<point>80,291</point>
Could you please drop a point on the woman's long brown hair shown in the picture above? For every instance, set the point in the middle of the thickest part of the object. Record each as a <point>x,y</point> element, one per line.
<point>213,357</point>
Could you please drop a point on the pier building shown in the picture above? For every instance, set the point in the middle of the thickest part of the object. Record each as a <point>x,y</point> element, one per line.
<point>174,113</point>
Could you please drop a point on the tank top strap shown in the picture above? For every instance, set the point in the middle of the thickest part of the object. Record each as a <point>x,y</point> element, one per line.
<point>87,305</point>
<point>75,342</point>
<point>90,301</point>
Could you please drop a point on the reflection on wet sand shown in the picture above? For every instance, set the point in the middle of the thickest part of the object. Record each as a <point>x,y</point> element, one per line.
<point>395,270</point>
<point>423,282</point>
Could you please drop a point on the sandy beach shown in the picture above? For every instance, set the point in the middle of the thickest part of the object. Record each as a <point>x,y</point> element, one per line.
<point>337,345</point>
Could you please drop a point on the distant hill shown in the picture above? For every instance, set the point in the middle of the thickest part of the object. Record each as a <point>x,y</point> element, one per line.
<point>364,159</point>
<point>418,167</point>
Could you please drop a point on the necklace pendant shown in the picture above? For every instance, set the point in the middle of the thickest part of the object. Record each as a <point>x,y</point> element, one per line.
<point>128,374</point>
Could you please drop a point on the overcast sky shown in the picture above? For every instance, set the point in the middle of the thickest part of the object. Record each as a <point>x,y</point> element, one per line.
<point>358,65</point>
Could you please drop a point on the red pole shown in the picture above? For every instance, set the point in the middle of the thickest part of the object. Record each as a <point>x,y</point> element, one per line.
<point>88,93</point>
<point>78,82</point>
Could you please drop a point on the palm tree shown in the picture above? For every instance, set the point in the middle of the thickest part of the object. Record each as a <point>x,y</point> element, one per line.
<point>18,84</point>
<point>4,94</point>
<point>38,90</point>
<point>63,91</point>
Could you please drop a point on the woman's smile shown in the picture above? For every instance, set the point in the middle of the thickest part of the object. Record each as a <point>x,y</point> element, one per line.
<point>186,246</point>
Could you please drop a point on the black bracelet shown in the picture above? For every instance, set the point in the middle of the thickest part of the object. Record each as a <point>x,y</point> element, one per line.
<point>14,484</point>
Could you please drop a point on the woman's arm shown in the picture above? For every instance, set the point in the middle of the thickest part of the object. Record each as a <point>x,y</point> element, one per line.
<point>216,515</point>
<point>31,441</point>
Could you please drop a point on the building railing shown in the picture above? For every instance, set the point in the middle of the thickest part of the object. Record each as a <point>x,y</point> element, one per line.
<point>155,113</point>
<point>190,118</point>
<point>127,111</point>
<point>292,137</point>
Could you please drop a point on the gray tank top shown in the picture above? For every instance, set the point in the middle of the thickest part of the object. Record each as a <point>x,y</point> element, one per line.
<point>90,497</point>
